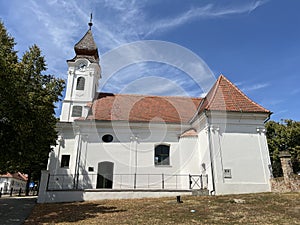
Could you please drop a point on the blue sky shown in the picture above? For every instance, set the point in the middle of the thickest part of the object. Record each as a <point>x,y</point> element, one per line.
<point>255,44</point>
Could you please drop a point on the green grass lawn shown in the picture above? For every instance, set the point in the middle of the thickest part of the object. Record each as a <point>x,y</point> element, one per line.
<point>265,208</point>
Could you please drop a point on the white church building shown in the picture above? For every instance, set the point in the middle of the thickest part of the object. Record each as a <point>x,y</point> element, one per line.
<point>130,146</point>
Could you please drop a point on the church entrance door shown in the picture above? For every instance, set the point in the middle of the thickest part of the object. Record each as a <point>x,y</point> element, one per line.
<point>105,174</point>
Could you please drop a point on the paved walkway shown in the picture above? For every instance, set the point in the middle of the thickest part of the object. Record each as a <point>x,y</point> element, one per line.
<point>14,210</point>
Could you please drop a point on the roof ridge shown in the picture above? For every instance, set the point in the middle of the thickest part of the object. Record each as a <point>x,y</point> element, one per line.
<point>215,87</point>
<point>144,95</point>
<point>223,95</point>
<point>234,100</point>
<point>236,88</point>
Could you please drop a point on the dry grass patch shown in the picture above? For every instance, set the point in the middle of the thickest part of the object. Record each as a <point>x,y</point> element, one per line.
<point>266,208</point>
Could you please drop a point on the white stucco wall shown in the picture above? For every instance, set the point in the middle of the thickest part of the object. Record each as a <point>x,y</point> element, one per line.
<point>239,145</point>
<point>129,155</point>
<point>232,141</point>
<point>189,155</point>
<point>73,97</point>
<point>7,183</point>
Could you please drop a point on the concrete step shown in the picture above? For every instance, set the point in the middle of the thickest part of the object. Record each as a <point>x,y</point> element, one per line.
<point>200,192</point>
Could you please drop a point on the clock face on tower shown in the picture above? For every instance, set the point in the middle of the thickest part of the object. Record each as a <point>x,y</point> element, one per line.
<point>81,66</point>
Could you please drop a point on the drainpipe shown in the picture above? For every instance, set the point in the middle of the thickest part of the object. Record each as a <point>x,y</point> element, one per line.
<point>76,171</point>
<point>136,154</point>
<point>60,141</point>
<point>269,117</point>
<point>267,147</point>
<point>134,140</point>
<point>210,155</point>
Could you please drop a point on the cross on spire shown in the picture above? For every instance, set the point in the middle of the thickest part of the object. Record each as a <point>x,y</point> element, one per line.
<point>90,23</point>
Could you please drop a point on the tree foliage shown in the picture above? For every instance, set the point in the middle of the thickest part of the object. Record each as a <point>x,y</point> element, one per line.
<point>27,97</point>
<point>284,136</point>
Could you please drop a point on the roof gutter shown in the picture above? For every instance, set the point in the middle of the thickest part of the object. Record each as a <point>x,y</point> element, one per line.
<point>269,117</point>
<point>197,111</point>
<point>213,191</point>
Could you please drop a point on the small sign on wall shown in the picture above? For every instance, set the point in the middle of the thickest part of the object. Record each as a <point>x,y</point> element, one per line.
<point>227,173</point>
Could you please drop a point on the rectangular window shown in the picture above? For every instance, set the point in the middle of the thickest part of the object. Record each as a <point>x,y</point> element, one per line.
<point>77,111</point>
<point>162,155</point>
<point>65,161</point>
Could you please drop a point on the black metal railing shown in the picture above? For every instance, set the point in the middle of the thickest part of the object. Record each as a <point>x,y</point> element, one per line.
<point>126,181</point>
<point>17,191</point>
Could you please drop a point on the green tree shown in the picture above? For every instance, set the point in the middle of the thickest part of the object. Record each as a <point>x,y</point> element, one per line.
<point>10,101</point>
<point>27,119</point>
<point>282,136</point>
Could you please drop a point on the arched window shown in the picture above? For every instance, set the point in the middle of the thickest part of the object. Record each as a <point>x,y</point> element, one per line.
<point>162,155</point>
<point>77,111</point>
<point>80,83</point>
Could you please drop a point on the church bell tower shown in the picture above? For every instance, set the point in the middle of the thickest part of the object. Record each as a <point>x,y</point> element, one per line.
<point>84,72</point>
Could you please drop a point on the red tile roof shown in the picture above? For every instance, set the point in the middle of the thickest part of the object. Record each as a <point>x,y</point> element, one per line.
<point>223,96</point>
<point>189,133</point>
<point>18,175</point>
<point>143,108</point>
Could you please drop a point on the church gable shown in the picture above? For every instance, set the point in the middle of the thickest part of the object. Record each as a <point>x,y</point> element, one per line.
<point>225,96</point>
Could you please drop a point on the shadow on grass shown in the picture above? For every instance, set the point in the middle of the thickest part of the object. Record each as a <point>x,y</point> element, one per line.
<point>68,212</point>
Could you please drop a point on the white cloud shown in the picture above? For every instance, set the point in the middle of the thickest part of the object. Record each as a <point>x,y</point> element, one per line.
<point>273,102</point>
<point>154,85</point>
<point>255,87</point>
<point>280,112</point>
<point>295,91</point>
<point>151,78</point>
<point>56,26</point>
<point>239,83</point>
<point>156,58</point>
<point>204,12</point>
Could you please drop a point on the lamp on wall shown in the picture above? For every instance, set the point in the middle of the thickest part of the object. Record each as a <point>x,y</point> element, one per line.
<point>61,138</point>
<point>261,130</point>
<point>214,128</point>
<point>135,138</point>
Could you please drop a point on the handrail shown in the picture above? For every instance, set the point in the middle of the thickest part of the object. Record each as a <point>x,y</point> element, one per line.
<point>127,181</point>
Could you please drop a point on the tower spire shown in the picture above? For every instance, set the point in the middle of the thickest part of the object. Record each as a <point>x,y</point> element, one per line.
<point>90,23</point>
